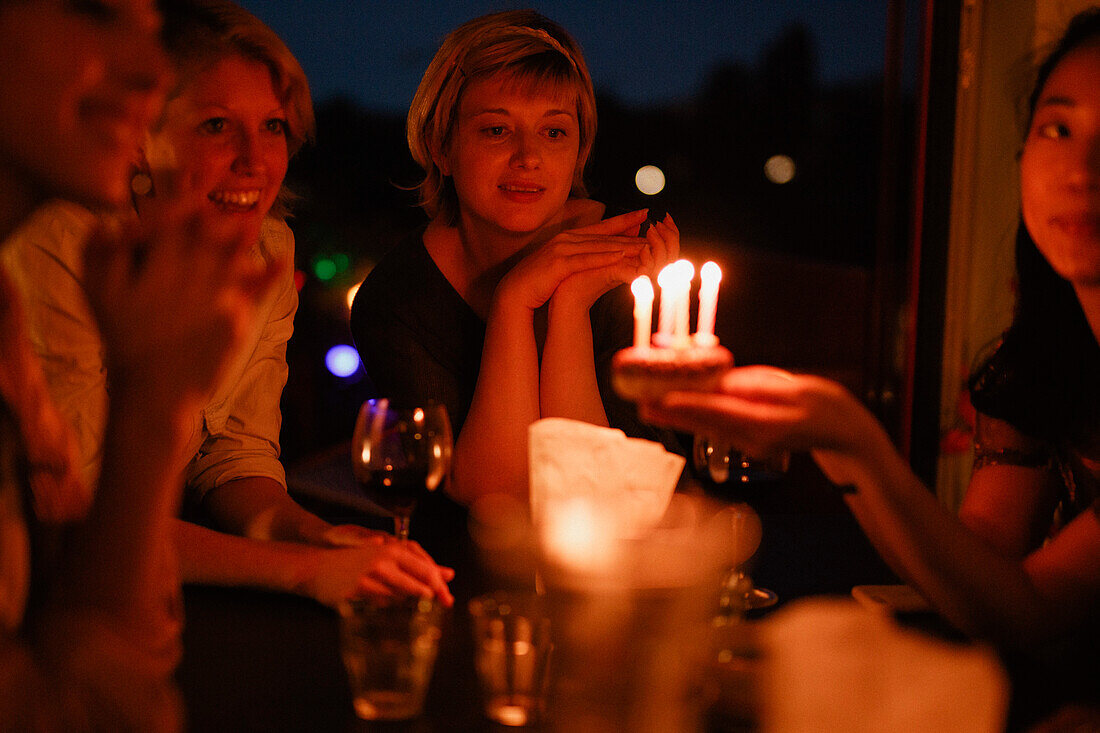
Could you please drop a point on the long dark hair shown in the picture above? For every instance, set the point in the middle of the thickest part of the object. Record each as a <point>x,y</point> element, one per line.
<point>1045,377</point>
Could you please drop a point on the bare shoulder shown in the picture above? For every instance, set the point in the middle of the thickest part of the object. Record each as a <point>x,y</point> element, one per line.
<point>995,438</point>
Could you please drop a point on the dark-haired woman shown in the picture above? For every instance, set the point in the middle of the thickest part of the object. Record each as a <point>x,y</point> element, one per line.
<point>1020,565</point>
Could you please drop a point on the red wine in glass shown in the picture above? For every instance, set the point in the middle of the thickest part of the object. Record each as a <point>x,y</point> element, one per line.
<point>399,455</point>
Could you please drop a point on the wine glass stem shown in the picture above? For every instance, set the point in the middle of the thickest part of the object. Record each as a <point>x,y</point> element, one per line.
<point>401,527</point>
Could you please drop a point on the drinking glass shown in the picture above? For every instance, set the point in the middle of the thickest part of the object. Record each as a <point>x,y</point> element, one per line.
<point>389,647</point>
<point>398,455</point>
<point>738,592</point>
<point>512,655</point>
<point>631,629</point>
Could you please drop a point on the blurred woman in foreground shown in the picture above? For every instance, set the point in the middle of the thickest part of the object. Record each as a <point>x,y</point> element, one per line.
<point>89,595</point>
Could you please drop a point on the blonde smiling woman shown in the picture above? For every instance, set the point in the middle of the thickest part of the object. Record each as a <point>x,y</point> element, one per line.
<point>239,109</point>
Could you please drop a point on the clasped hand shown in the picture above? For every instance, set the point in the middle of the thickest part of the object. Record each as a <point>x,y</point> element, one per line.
<point>579,265</point>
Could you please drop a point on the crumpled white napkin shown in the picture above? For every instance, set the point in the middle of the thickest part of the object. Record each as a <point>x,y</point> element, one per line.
<point>627,483</point>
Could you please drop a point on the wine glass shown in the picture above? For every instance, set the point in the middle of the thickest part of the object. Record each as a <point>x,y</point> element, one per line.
<point>739,594</point>
<point>398,455</point>
<point>720,461</point>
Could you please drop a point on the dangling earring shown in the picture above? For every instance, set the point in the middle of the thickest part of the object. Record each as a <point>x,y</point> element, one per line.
<point>141,184</point>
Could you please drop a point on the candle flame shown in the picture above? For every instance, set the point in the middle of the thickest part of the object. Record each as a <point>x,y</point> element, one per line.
<point>576,536</point>
<point>667,275</point>
<point>642,287</point>
<point>710,274</point>
<point>686,272</point>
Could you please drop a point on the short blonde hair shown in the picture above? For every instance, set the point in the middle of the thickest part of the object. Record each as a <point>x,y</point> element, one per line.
<point>199,33</point>
<point>530,48</point>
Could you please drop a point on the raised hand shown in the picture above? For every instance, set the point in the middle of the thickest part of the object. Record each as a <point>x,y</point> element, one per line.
<point>662,247</point>
<point>606,252</point>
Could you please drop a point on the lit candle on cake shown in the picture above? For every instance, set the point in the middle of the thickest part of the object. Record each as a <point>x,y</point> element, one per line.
<point>675,359</point>
<point>643,310</point>
<point>666,278</point>
<point>681,325</point>
<point>710,275</point>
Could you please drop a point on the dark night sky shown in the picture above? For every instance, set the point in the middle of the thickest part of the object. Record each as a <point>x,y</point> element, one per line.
<point>643,51</point>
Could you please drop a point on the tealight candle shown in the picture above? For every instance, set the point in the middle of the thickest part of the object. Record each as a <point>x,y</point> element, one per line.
<point>710,275</point>
<point>643,310</point>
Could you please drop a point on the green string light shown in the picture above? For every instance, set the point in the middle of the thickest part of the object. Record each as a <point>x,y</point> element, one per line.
<point>324,269</point>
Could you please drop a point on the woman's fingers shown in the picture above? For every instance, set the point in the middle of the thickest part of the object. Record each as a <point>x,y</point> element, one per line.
<point>413,576</point>
<point>371,587</point>
<point>591,261</point>
<point>765,410</point>
<point>409,569</point>
<point>663,245</point>
<point>670,235</point>
<point>399,580</point>
<point>426,571</point>
<point>762,383</point>
<point>620,224</point>
<point>746,424</point>
<point>445,572</point>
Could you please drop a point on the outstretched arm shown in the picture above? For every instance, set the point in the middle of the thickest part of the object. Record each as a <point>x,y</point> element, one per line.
<point>1017,603</point>
<point>363,562</point>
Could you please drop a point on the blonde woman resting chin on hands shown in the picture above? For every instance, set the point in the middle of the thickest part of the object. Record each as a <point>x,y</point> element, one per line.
<point>506,308</point>
<point>1020,565</point>
<point>239,110</point>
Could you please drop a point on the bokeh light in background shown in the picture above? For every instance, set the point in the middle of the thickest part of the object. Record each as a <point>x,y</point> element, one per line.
<point>324,268</point>
<point>342,360</point>
<point>650,180</point>
<point>779,169</point>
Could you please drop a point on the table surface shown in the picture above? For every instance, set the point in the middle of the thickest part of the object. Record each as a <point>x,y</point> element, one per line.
<point>255,660</point>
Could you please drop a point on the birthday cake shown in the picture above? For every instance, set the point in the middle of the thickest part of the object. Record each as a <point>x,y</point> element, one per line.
<point>643,374</point>
<point>672,359</point>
